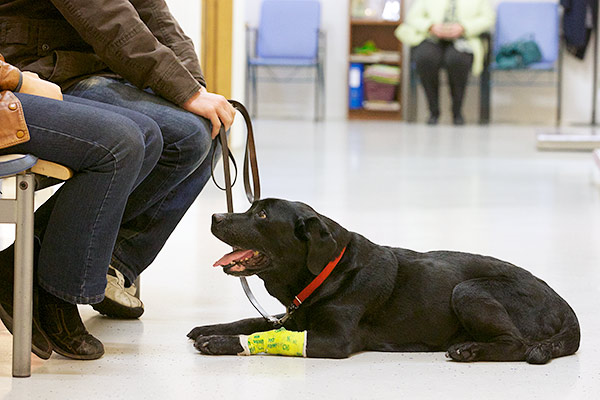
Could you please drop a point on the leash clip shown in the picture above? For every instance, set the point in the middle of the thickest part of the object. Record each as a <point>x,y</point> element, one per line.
<point>278,322</point>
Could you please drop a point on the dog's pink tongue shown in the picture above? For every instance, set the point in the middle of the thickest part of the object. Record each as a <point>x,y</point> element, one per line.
<point>233,257</point>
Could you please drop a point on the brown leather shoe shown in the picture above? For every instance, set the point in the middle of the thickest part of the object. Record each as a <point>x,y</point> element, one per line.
<point>62,324</point>
<point>40,344</point>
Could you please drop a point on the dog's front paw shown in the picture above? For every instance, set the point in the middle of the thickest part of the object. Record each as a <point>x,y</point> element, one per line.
<point>464,351</point>
<point>218,345</point>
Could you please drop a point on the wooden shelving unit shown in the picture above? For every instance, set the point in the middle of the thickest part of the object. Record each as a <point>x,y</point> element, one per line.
<point>382,33</point>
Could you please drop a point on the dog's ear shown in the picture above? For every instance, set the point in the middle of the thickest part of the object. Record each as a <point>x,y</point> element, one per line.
<point>320,242</point>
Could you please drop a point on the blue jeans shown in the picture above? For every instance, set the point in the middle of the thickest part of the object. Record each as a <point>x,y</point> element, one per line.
<point>111,151</point>
<point>159,202</point>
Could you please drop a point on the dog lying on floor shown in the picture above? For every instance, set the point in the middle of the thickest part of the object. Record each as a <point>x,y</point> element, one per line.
<point>379,298</point>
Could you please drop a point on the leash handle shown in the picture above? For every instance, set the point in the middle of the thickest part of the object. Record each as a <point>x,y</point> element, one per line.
<point>250,161</point>
<point>250,171</point>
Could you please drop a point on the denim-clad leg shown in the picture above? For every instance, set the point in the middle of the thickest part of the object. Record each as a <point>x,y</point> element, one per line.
<point>157,205</point>
<point>110,150</point>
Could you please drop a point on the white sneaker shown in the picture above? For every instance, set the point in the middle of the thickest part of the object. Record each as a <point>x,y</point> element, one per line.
<point>119,301</point>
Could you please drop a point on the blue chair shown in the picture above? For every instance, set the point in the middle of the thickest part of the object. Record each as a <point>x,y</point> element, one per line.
<point>539,21</point>
<point>288,36</point>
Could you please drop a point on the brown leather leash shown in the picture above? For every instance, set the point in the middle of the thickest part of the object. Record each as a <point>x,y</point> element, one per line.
<point>252,189</point>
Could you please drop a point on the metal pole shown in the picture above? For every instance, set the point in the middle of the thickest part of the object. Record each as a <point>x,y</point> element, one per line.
<point>23,285</point>
<point>595,76</point>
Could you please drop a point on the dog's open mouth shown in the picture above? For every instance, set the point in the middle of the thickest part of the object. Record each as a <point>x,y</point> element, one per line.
<point>240,261</point>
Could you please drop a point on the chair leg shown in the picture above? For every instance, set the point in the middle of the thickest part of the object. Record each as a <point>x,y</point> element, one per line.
<point>317,92</point>
<point>254,95</point>
<point>137,284</point>
<point>411,109</point>
<point>320,93</point>
<point>23,285</point>
<point>559,75</point>
<point>323,94</point>
<point>247,86</point>
<point>484,97</point>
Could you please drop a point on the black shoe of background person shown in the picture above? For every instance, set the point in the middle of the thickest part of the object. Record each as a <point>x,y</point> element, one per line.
<point>458,120</point>
<point>433,120</point>
<point>40,344</point>
<point>63,326</point>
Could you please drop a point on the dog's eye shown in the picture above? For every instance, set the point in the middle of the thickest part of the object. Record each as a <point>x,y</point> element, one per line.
<point>262,214</point>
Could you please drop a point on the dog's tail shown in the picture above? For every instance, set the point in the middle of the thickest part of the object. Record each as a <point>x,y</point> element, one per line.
<point>564,343</point>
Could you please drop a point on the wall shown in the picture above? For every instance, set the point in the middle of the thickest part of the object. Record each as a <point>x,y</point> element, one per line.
<point>188,14</point>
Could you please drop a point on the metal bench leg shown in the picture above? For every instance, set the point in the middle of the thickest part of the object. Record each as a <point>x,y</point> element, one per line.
<point>23,285</point>
<point>137,284</point>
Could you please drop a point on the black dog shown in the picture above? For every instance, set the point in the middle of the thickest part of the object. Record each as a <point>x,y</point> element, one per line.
<point>380,298</point>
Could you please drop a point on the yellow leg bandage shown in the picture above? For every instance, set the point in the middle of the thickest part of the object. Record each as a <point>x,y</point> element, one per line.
<point>279,341</point>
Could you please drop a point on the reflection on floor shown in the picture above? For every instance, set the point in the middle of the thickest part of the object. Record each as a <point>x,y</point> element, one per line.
<point>477,189</point>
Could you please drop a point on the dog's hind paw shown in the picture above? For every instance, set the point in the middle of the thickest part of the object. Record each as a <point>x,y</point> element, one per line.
<point>464,351</point>
<point>218,345</point>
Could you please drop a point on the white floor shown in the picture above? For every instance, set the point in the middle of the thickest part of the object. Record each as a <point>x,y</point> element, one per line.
<point>477,189</point>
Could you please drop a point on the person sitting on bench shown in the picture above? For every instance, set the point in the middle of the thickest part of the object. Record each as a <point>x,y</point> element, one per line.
<point>110,150</point>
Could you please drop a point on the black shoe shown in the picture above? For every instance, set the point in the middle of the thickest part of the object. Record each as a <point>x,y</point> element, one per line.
<point>40,344</point>
<point>433,120</point>
<point>63,326</point>
<point>458,120</point>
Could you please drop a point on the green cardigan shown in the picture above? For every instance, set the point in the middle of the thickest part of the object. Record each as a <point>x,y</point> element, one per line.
<point>476,17</point>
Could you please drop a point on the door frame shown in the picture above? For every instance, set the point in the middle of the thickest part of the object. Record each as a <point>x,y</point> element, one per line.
<point>217,44</point>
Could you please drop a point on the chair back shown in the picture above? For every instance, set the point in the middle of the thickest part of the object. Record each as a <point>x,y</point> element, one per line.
<point>529,20</point>
<point>289,29</point>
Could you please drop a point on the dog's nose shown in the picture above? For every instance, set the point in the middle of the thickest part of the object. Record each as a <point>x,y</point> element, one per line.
<point>218,218</point>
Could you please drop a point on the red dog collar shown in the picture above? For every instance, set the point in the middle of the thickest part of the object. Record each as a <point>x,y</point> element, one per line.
<point>307,291</point>
<point>299,299</point>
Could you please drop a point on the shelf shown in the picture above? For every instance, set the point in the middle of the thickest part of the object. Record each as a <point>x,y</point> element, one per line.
<point>371,22</point>
<point>389,52</point>
<point>391,106</point>
<point>361,113</point>
<point>390,57</point>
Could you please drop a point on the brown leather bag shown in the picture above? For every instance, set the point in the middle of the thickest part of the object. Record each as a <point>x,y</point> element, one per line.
<point>13,129</point>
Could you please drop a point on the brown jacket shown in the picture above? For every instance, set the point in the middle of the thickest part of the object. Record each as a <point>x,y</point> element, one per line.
<point>67,40</point>
<point>13,129</point>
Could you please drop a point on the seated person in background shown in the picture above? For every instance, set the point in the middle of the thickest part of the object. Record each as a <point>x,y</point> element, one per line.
<point>446,33</point>
<point>110,150</point>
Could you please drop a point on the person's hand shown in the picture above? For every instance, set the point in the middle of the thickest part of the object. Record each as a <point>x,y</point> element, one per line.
<point>454,30</point>
<point>437,30</point>
<point>213,107</point>
<point>32,84</point>
<point>448,31</point>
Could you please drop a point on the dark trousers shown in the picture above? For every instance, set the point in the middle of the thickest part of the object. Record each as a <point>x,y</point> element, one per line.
<point>430,57</point>
<point>111,150</point>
